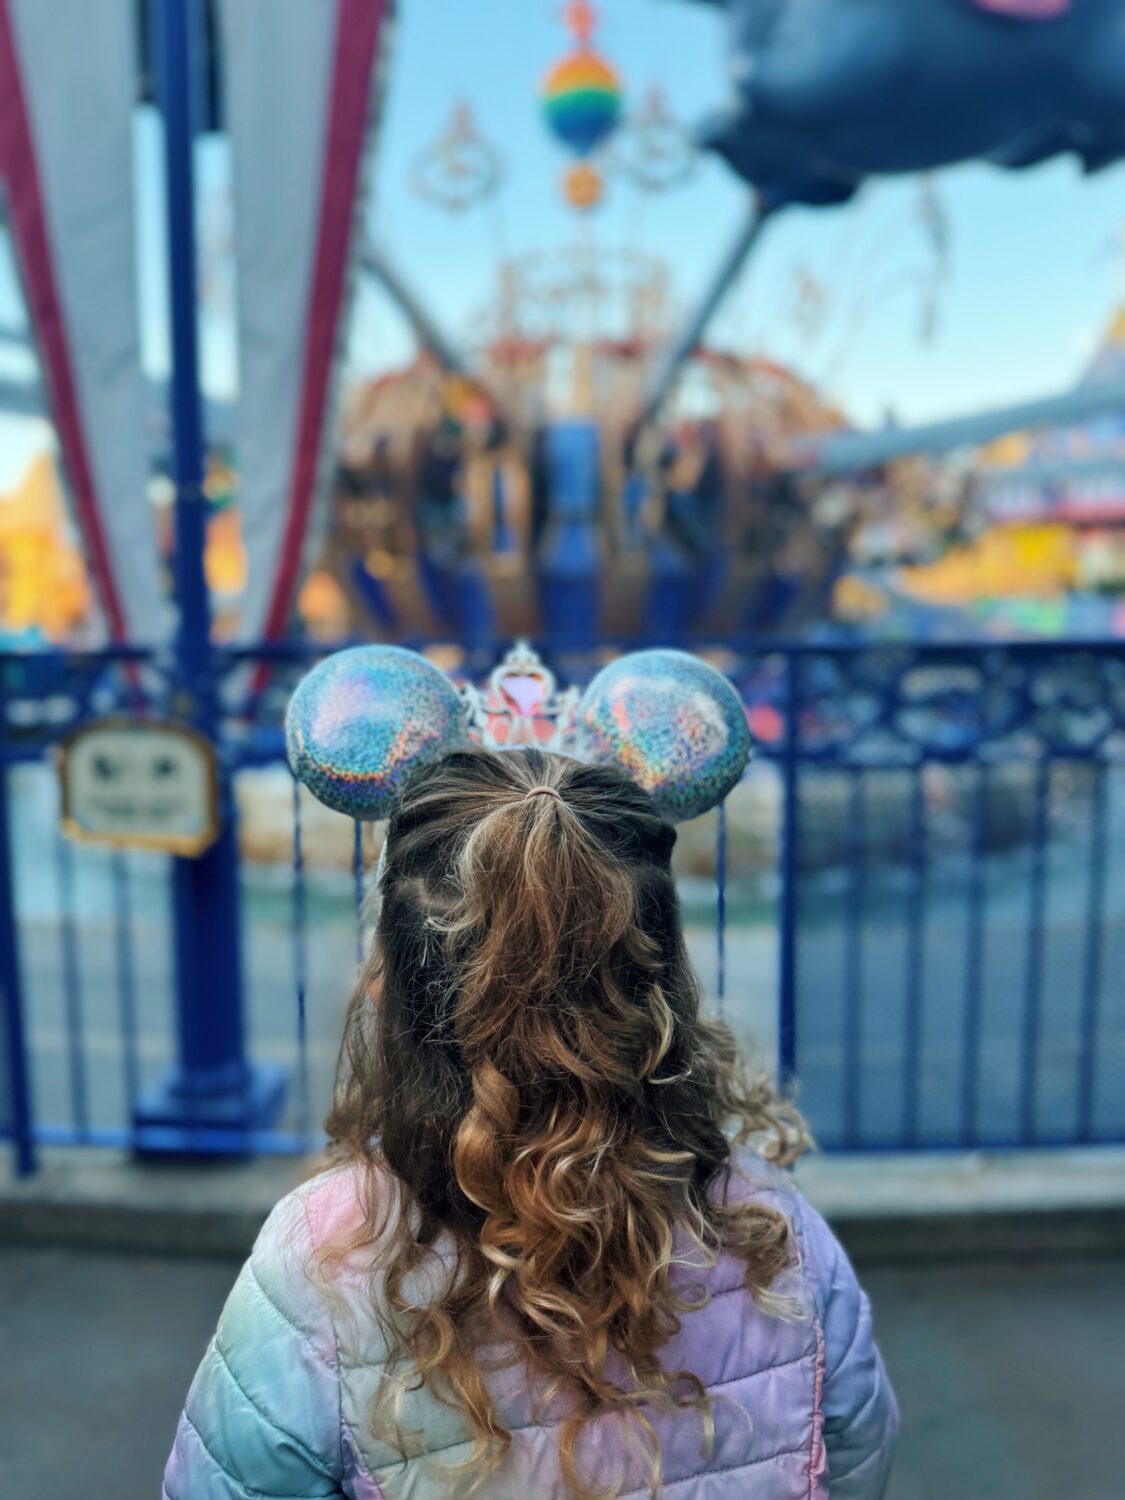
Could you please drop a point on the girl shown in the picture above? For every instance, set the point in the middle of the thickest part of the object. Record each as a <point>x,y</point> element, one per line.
<point>555,1254</point>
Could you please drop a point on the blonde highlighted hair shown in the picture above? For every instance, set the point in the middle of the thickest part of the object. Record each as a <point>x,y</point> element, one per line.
<point>529,1087</point>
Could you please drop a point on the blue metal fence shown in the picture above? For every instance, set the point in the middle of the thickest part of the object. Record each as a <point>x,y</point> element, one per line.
<point>946,890</point>
<point>953,893</point>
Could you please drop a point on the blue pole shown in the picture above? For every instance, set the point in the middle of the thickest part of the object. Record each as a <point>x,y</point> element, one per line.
<point>13,1037</point>
<point>790,835</point>
<point>211,1083</point>
<point>721,908</point>
<point>176,26</point>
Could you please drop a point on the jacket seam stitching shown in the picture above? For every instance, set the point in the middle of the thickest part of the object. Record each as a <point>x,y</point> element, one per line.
<point>286,1319</point>
<point>745,1463</point>
<point>214,1457</point>
<point>549,1427</point>
<point>234,1478</point>
<point>808,1270</point>
<point>853,1421</point>
<point>852,1341</point>
<point>337,1368</point>
<point>265,1416</point>
<point>876,1455</point>
<point>377,1364</point>
<point>817,1412</point>
<point>785,1364</point>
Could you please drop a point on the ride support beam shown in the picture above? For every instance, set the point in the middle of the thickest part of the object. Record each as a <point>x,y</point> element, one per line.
<point>726,273</point>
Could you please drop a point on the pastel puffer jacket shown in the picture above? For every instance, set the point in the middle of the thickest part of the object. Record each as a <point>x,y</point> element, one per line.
<point>280,1406</point>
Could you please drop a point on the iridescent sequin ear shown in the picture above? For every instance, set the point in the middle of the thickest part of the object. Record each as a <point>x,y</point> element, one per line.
<point>672,723</point>
<point>365,718</point>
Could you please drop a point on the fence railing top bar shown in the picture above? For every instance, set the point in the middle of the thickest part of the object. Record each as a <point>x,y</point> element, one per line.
<point>81,655</point>
<point>296,651</point>
<point>739,645</point>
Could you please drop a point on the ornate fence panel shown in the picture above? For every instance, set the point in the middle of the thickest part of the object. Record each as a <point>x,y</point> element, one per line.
<point>953,894</point>
<point>87,942</point>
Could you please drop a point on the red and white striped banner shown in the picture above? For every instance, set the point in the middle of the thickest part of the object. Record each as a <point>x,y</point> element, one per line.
<point>301,97</point>
<point>67,90</point>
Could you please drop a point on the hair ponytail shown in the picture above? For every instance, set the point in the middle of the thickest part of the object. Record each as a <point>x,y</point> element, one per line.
<point>542,1087</point>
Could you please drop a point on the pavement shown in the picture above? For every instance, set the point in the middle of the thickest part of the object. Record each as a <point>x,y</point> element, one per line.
<point>1010,1376</point>
<point>888,1209</point>
<point>998,1285</point>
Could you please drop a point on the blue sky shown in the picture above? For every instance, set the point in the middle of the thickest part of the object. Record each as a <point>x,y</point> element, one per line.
<point>1037,264</point>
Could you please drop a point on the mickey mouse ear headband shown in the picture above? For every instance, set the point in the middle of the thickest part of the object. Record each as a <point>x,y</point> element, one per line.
<point>365,718</point>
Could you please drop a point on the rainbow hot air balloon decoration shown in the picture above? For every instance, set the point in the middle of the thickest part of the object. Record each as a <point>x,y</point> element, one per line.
<point>582,105</point>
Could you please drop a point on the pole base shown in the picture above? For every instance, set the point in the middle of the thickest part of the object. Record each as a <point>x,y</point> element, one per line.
<point>173,1121</point>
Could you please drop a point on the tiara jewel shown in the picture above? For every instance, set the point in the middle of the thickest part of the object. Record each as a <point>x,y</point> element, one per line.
<point>523,705</point>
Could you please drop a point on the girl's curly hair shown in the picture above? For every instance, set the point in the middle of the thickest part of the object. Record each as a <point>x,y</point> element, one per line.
<point>529,1088</point>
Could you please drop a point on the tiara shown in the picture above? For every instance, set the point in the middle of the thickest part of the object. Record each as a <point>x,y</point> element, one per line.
<point>522,706</point>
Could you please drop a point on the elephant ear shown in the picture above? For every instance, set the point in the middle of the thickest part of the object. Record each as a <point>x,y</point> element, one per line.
<point>1025,10</point>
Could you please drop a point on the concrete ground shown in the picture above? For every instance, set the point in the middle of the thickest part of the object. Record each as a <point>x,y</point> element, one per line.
<point>1011,1377</point>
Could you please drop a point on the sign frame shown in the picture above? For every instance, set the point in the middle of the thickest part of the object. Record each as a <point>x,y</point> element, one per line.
<point>187,846</point>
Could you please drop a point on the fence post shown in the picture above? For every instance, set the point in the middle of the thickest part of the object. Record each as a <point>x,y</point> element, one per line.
<point>14,1044</point>
<point>790,835</point>
<point>212,1087</point>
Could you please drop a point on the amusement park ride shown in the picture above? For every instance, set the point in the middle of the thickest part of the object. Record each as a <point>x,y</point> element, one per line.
<point>541,481</point>
<point>537,485</point>
<point>497,502</point>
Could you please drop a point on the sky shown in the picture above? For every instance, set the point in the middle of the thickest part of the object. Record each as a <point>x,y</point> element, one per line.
<point>1036,266</point>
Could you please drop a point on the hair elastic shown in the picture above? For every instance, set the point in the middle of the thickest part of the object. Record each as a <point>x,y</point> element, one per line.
<point>543,791</point>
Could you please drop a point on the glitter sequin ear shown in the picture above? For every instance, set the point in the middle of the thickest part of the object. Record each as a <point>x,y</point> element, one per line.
<point>672,723</point>
<point>363,719</point>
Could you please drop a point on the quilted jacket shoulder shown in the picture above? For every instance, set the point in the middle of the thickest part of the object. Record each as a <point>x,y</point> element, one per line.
<point>280,1407</point>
